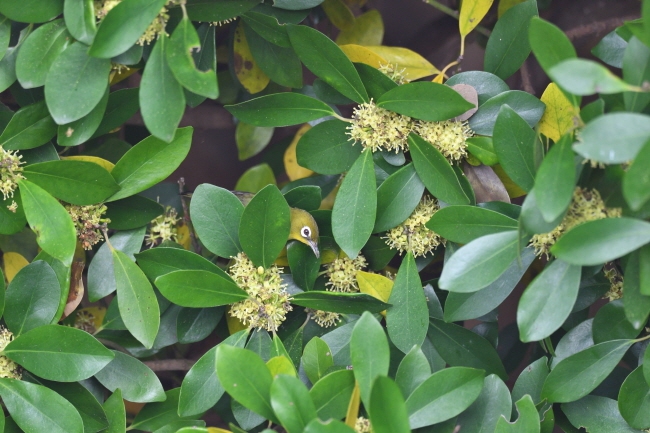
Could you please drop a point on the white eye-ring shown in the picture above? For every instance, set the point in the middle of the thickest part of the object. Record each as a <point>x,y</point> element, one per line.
<point>306,232</point>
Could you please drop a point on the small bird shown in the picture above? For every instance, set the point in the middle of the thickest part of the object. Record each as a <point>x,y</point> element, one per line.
<point>303,226</point>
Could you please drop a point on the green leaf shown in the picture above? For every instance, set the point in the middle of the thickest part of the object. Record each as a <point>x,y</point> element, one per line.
<point>122,104</point>
<point>59,353</point>
<point>636,71</point>
<point>435,171</point>
<point>38,53</point>
<point>387,409</point>
<point>161,261</point>
<point>326,148</point>
<point>135,380</point>
<point>613,138</point>
<point>637,304</point>
<point>115,412</point>
<point>304,265</point>
<point>547,301</point>
<point>329,426</point>
<point>196,324</point>
<point>576,376</point>
<point>5,36</point>
<point>636,181</point>
<point>328,63</point>
<point>246,378</point>
<point>486,84</point>
<point>31,11</point>
<point>463,224</point>
<point>75,182</point>
<point>30,127</point>
<point>207,10</point>
<point>123,26</point>
<point>524,104</point>
<point>527,422</point>
<point>375,81</point>
<point>136,299</point>
<point>508,46</point>
<point>280,109</point>
<point>292,403</point>
<point>162,102</point>
<point>316,359</point>
<point>199,288</point>
<point>515,145</point>
<point>251,140</point>
<point>256,178</point>
<point>91,412</point>
<point>634,400</point>
<point>368,343</point>
<point>132,212</point>
<point>610,323</point>
<point>37,408</point>
<point>80,20</point>
<point>268,27</point>
<point>555,180</point>
<point>149,162</point>
<point>80,131</point>
<point>332,394</point>
<point>597,414</point>
<point>585,77</point>
<point>531,380</point>
<point>611,49</point>
<point>407,317</point>
<point>183,42</point>
<point>344,303</point>
<point>600,241</point>
<point>306,197</point>
<point>355,207</point>
<point>425,101</point>
<point>75,84</point>
<point>154,416</point>
<point>55,232</point>
<point>461,347</point>
<point>413,369</point>
<point>216,214</point>
<point>480,262</point>
<point>397,197</point>
<point>482,149</point>
<point>549,44</point>
<point>32,298</point>
<point>444,395</point>
<point>493,403</point>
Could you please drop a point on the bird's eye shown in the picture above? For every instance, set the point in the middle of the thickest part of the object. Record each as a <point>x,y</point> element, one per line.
<point>306,232</point>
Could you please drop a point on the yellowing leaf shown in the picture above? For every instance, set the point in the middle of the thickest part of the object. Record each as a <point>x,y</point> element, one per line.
<point>471,13</point>
<point>513,189</point>
<point>439,78</point>
<point>368,29</point>
<point>353,406</point>
<point>183,236</point>
<point>339,14</point>
<point>295,171</point>
<point>375,285</point>
<point>217,430</point>
<point>248,73</point>
<point>560,115</point>
<point>97,160</point>
<point>415,66</point>
<point>13,262</point>
<point>281,365</point>
<point>234,324</point>
<point>97,314</point>
<point>504,5</point>
<point>359,54</point>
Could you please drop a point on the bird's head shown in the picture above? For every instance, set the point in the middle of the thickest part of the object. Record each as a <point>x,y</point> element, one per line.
<point>304,229</point>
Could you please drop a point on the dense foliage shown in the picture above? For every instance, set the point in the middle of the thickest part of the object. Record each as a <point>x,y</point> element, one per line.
<point>417,201</point>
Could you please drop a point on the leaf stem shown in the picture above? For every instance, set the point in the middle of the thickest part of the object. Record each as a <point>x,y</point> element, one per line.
<point>454,13</point>
<point>638,340</point>
<point>549,345</point>
<point>345,119</point>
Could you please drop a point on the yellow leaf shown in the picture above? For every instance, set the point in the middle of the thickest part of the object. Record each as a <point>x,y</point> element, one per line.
<point>183,236</point>
<point>13,262</point>
<point>415,66</point>
<point>359,54</point>
<point>504,5</point>
<point>97,160</point>
<point>328,202</point>
<point>368,29</point>
<point>295,171</point>
<point>375,285</point>
<point>353,406</point>
<point>248,73</point>
<point>115,76</point>
<point>234,324</point>
<point>439,78</point>
<point>281,365</point>
<point>97,313</point>
<point>512,188</point>
<point>471,13</point>
<point>560,115</point>
<point>217,430</point>
<point>339,14</point>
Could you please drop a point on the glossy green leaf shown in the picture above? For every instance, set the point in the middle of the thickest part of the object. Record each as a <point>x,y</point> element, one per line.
<point>280,109</point>
<point>92,414</point>
<point>549,44</point>
<point>586,77</point>
<point>614,138</point>
<point>636,182</point>
<point>251,140</point>
<point>597,414</point>
<point>136,299</point>
<point>636,71</point>
<point>524,104</point>
<point>80,20</point>
<point>154,416</point>
<point>596,242</point>
<point>493,402</point>
<point>196,324</point>
<point>425,101</point>
<point>397,197</point>
<point>292,403</point>
<point>326,148</point>
<point>508,46</point>
<point>162,102</point>
<point>329,426</point>
<point>37,408</point>
<point>376,82</point>
<point>387,409</point>
<point>354,211</point>
<point>482,149</point>
<point>199,288</point>
<point>367,342</point>
<point>328,63</point>
<point>463,224</point>
<point>31,11</point>
<point>55,232</point>
<point>30,127</point>
<point>206,10</point>
<point>332,394</point>
<point>75,84</point>
<point>636,304</point>
<point>122,104</point>
<point>115,413</point>
<point>610,323</point>
<point>554,182</point>
<point>412,371</point>
<point>5,36</point>
<point>345,303</point>
<point>132,212</point>
<point>307,197</point>
<point>527,421</point>
<point>149,162</point>
<point>280,64</point>
<point>444,395</point>
<point>547,301</point>
<point>611,49</point>
<point>10,222</point>
<point>316,359</point>
<point>268,27</point>
<point>80,131</point>
<point>304,265</point>
<point>137,382</point>
<point>486,84</point>
<point>634,400</point>
<point>38,53</point>
<point>576,376</point>
<point>531,380</point>
<point>160,261</point>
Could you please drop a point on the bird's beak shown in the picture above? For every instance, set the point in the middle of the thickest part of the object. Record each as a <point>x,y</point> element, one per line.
<point>314,247</point>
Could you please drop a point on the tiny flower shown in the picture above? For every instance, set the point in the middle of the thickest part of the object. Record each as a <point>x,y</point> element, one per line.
<point>10,171</point>
<point>391,71</point>
<point>379,129</point>
<point>163,228</point>
<point>88,223</point>
<point>8,368</point>
<point>616,283</point>
<point>325,319</point>
<point>222,22</point>
<point>413,235</point>
<point>268,301</point>
<point>155,29</point>
<point>13,207</point>
<point>362,425</point>
<point>342,274</point>
<point>85,321</point>
<point>449,137</point>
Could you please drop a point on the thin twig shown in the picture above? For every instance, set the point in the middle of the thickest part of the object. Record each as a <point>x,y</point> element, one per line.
<point>598,27</point>
<point>186,216</point>
<point>525,78</point>
<point>170,364</point>
<point>454,13</point>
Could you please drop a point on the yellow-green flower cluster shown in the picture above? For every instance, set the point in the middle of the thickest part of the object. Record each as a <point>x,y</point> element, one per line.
<point>268,301</point>
<point>391,71</point>
<point>616,284</point>
<point>10,171</point>
<point>379,129</point>
<point>586,205</point>
<point>325,319</point>
<point>8,368</point>
<point>449,137</point>
<point>362,425</point>
<point>155,29</point>
<point>413,235</point>
<point>163,228</point>
<point>342,274</point>
<point>88,223</point>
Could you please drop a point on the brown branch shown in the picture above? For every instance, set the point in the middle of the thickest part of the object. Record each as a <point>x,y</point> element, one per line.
<point>598,27</point>
<point>525,78</point>
<point>170,364</point>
